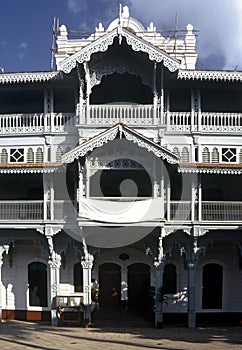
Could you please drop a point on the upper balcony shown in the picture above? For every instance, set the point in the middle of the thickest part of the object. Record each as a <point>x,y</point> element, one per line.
<point>205,212</point>
<point>130,114</point>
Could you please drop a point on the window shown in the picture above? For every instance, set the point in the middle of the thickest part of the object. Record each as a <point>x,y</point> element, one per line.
<point>229,155</point>
<point>16,155</point>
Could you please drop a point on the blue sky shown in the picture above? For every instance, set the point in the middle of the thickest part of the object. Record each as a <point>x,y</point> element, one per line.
<point>26,35</point>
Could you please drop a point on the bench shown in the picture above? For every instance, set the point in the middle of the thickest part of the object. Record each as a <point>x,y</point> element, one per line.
<point>69,308</point>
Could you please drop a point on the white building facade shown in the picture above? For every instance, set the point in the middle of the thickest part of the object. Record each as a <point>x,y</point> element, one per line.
<point>122,170</point>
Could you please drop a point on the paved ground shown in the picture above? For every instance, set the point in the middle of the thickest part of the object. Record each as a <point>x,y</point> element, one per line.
<point>29,335</point>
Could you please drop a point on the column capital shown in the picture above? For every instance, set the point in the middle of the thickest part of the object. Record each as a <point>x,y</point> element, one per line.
<point>87,261</point>
<point>55,261</point>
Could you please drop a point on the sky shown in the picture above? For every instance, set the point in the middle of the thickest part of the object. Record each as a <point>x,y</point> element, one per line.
<point>26,27</point>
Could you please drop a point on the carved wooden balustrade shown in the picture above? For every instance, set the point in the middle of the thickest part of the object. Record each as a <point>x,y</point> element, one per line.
<point>205,211</point>
<point>130,114</point>
<point>36,122</point>
<point>62,211</point>
<point>36,210</point>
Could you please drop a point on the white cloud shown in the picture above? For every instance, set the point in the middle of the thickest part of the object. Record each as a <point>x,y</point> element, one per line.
<point>76,6</point>
<point>21,56</point>
<point>23,45</point>
<point>218,21</point>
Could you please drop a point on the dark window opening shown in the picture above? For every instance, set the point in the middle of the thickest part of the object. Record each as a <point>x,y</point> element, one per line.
<point>78,278</point>
<point>37,280</point>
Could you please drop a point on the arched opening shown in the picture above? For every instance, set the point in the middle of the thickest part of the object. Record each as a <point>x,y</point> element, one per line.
<point>169,279</point>
<point>138,285</point>
<point>117,88</point>
<point>109,285</point>
<point>212,286</point>
<point>78,277</point>
<point>37,280</point>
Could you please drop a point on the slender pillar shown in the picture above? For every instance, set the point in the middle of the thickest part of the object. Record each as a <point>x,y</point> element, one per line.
<point>3,249</point>
<point>81,101</point>
<point>159,264</point>
<point>124,286</point>
<point>199,198</point>
<point>192,271</point>
<point>46,209</point>
<point>54,264</point>
<point>87,264</point>
<point>155,97</point>
<point>1,287</point>
<point>194,198</point>
<point>88,90</point>
<point>192,274</point>
<point>159,269</point>
<point>162,97</point>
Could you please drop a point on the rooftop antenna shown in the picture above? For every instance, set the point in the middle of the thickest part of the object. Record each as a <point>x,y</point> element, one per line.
<point>55,29</point>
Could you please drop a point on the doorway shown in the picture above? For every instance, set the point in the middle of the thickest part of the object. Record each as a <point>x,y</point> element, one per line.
<point>109,285</point>
<point>212,286</point>
<point>138,286</point>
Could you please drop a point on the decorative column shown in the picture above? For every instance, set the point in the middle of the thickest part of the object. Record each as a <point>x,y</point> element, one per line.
<point>54,264</point>
<point>168,202</point>
<point>162,97</point>
<point>80,112</point>
<point>88,91</point>
<point>195,110</point>
<point>159,264</point>
<point>3,249</point>
<point>48,108</point>
<point>199,192</point>
<point>167,109</point>
<point>124,287</point>
<point>192,271</point>
<point>87,264</point>
<point>194,195</point>
<point>81,185</point>
<point>193,257</point>
<point>155,97</point>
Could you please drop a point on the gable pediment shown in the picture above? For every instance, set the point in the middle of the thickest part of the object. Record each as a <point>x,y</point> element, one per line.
<point>121,131</point>
<point>136,43</point>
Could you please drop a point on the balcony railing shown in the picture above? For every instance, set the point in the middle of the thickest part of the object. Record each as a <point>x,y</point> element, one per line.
<point>36,211</point>
<point>131,114</point>
<point>140,115</point>
<point>208,211</point>
<point>36,123</point>
<point>61,211</point>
